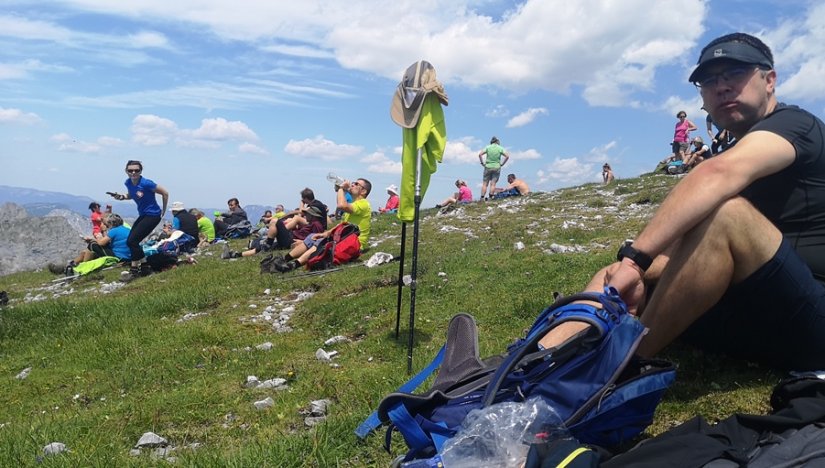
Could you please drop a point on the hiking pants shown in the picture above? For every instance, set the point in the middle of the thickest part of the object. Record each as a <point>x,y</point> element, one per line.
<point>141,228</point>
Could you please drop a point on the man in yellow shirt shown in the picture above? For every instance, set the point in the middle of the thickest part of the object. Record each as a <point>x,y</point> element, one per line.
<point>359,213</point>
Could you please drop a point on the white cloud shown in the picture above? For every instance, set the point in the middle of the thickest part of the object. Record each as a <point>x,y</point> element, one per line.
<point>72,145</point>
<point>524,155</point>
<point>575,170</point>
<point>321,148</point>
<point>460,151</point>
<point>379,163</point>
<point>151,130</point>
<point>526,117</point>
<point>12,116</point>
<point>221,129</point>
<point>250,148</point>
<point>799,44</point>
<point>149,39</point>
<point>298,51</point>
<point>109,141</point>
<point>498,111</point>
<point>605,48</point>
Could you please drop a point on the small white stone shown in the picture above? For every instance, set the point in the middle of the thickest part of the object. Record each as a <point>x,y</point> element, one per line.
<point>251,381</point>
<point>151,440</point>
<point>442,274</point>
<point>267,291</point>
<point>264,346</point>
<point>54,448</point>
<point>23,374</point>
<point>264,404</point>
<point>253,306</point>
<point>335,340</point>
<point>519,245</point>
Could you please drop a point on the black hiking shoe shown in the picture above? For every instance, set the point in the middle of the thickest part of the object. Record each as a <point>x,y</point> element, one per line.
<point>131,275</point>
<point>284,267</point>
<point>145,269</point>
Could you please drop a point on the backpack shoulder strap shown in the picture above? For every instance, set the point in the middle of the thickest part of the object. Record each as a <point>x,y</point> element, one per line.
<point>372,422</point>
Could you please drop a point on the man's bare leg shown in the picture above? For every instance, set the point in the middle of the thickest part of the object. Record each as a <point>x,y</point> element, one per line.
<point>691,277</point>
<point>725,249</point>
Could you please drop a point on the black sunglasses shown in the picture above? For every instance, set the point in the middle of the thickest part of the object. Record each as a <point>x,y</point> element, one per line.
<point>133,171</point>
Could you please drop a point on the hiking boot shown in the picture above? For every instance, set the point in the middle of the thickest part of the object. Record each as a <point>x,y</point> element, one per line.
<point>132,274</point>
<point>145,269</point>
<point>284,267</point>
<point>225,254</point>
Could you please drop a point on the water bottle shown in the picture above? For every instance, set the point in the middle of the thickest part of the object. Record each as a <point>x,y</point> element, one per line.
<point>337,180</point>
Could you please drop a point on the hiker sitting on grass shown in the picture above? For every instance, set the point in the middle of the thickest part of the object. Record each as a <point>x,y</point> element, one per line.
<point>698,152</point>
<point>111,243</point>
<point>358,212</point>
<point>235,215</point>
<point>294,226</point>
<point>206,230</point>
<point>464,195</point>
<point>392,201</point>
<point>515,188</point>
<point>312,223</point>
<point>741,268</point>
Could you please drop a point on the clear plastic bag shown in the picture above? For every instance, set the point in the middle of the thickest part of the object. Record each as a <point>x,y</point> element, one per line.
<point>500,435</point>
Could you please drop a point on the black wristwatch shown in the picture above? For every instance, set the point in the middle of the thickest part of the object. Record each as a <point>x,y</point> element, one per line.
<point>641,259</point>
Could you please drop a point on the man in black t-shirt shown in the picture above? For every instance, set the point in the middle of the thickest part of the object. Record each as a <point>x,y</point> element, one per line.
<point>739,269</point>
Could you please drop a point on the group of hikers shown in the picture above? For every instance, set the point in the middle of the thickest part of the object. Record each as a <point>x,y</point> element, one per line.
<point>686,152</point>
<point>492,158</point>
<point>739,269</point>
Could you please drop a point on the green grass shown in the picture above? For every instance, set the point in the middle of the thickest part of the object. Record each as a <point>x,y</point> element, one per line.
<point>109,367</point>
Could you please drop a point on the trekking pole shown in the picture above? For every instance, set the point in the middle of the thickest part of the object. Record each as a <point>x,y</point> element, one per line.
<point>400,278</point>
<point>414,275</point>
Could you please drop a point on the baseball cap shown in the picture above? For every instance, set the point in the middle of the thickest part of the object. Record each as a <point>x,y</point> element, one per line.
<point>733,49</point>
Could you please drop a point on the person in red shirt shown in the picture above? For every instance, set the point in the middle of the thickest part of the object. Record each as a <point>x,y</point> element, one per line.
<point>392,202</point>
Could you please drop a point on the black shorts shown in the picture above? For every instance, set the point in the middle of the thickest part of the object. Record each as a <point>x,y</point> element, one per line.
<point>100,251</point>
<point>776,316</point>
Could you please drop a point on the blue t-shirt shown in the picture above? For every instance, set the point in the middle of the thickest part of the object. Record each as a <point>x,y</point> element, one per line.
<point>118,236</point>
<point>144,195</point>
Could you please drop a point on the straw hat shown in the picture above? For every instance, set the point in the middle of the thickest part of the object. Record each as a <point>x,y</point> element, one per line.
<point>418,81</point>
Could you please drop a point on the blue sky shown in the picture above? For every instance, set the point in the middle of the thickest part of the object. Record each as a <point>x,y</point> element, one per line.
<point>259,99</point>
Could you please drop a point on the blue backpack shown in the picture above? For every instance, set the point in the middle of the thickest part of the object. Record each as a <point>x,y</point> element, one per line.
<point>604,394</point>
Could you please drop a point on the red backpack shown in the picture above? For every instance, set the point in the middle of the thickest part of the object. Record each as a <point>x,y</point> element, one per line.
<point>340,247</point>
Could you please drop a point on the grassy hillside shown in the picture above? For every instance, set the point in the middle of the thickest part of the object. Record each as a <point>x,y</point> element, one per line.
<point>171,353</point>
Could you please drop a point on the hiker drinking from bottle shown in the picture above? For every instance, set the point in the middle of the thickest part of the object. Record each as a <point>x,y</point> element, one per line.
<point>741,268</point>
<point>142,191</point>
<point>359,212</point>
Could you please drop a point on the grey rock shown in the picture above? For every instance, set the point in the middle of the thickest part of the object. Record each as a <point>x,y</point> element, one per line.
<point>251,381</point>
<point>325,356</point>
<point>336,339</point>
<point>23,374</point>
<point>264,346</point>
<point>264,404</point>
<point>319,407</point>
<point>151,440</point>
<point>312,421</point>
<point>134,452</point>
<point>277,384</point>
<point>54,448</point>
